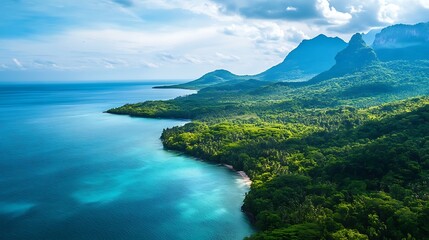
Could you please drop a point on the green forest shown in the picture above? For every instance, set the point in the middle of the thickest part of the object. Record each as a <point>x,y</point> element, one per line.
<point>344,155</point>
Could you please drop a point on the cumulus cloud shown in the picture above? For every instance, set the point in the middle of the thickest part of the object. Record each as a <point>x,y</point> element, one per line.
<point>262,32</point>
<point>378,13</point>
<point>174,36</point>
<point>331,14</point>
<point>270,32</point>
<point>295,35</point>
<point>355,9</point>
<point>334,15</point>
<point>424,3</point>
<point>388,12</point>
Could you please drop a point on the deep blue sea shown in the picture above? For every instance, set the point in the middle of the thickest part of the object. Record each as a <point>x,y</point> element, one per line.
<point>70,171</point>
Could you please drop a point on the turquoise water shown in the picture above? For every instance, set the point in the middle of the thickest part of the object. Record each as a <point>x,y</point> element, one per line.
<point>69,171</point>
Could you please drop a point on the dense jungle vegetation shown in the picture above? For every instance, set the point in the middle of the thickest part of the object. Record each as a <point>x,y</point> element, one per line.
<point>342,158</point>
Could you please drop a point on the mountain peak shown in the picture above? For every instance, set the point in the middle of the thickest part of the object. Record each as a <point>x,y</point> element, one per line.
<point>311,57</point>
<point>357,41</point>
<point>221,71</point>
<point>356,55</point>
<point>320,36</point>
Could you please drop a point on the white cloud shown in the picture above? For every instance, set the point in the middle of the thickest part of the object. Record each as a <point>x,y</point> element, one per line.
<point>39,63</point>
<point>270,39</point>
<point>295,35</point>
<point>259,31</point>
<point>18,63</point>
<point>149,65</point>
<point>388,12</point>
<point>3,67</point>
<point>243,30</point>
<point>112,63</point>
<point>424,3</point>
<point>331,14</point>
<point>356,9</point>
<point>227,57</point>
<point>185,59</point>
<point>141,37</point>
<point>202,7</point>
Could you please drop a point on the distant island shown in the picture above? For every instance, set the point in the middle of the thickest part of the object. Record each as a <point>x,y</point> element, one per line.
<point>334,138</point>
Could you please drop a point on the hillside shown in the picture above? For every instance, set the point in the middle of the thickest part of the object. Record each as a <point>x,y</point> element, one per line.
<point>308,59</point>
<point>344,155</point>
<point>354,57</point>
<point>209,79</point>
<point>403,42</point>
<point>312,180</point>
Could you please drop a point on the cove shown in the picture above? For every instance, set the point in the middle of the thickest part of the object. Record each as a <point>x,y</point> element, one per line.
<point>70,171</point>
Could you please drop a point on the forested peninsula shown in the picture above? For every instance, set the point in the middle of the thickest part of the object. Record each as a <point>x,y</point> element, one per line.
<point>341,154</point>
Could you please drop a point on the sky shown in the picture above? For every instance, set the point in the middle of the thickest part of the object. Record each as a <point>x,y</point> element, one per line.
<point>63,40</point>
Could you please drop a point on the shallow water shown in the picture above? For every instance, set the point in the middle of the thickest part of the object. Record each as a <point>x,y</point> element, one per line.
<point>69,171</point>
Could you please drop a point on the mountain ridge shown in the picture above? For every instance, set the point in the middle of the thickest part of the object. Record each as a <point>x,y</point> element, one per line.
<point>302,62</point>
<point>403,42</point>
<point>342,156</point>
<point>299,65</point>
<point>354,57</point>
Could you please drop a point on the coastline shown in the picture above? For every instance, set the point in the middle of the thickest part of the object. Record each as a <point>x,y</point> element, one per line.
<point>245,178</point>
<point>243,174</point>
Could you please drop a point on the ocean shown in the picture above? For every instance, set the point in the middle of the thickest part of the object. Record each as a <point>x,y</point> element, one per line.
<point>70,171</point>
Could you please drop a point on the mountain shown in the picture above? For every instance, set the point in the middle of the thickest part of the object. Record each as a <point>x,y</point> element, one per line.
<point>369,37</point>
<point>310,58</point>
<point>336,157</point>
<point>403,42</point>
<point>314,56</point>
<point>354,57</point>
<point>209,79</point>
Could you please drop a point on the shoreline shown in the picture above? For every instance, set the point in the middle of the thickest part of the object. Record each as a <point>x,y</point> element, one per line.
<point>243,174</point>
<point>244,177</point>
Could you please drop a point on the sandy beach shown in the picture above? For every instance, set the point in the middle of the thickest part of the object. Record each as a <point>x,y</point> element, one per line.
<point>243,174</point>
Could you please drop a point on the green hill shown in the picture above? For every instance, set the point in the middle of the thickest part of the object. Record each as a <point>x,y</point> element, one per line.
<point>344,155</point>
<point>209,79</point>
